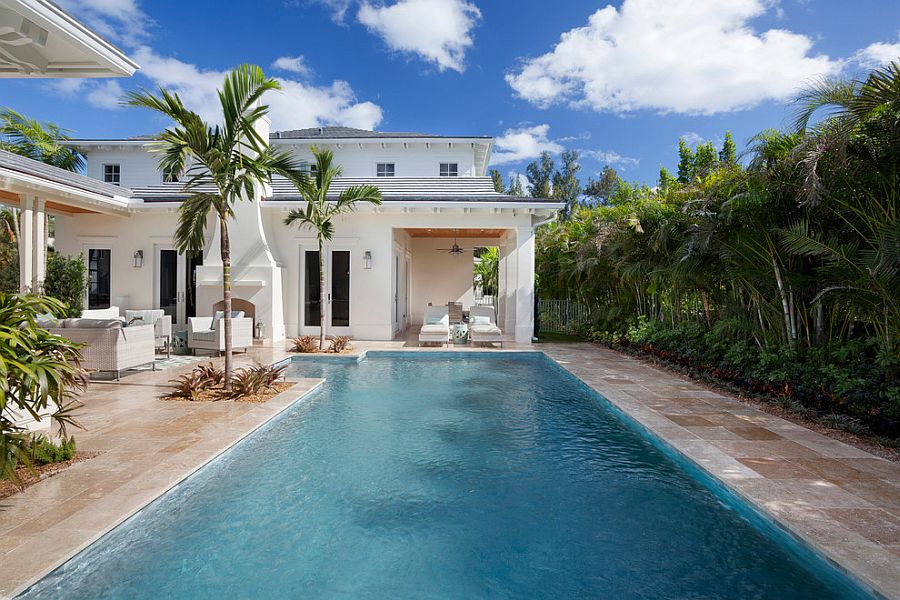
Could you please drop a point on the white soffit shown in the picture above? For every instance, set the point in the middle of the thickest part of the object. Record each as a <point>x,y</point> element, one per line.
<point>39,39</point>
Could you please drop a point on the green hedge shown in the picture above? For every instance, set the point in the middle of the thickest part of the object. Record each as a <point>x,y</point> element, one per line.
<point>856,380</point>
<point>67,281</point>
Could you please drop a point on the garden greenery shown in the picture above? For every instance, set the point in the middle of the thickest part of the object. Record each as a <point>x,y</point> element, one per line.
<point>778,271</point>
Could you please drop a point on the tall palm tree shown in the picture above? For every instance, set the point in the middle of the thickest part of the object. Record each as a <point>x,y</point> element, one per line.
<point>39,141</point>
<point>223,164</point>
<point>320,212</point>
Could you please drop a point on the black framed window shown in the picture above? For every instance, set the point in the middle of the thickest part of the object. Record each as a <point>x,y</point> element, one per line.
<point>384,169</point>
<point>112,174</point>
<point>99,282</point>
<point>449,169</point>
<point>170,175</point>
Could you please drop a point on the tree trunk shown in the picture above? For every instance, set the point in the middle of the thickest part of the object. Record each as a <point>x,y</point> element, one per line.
<point>820,323</point>
<point>321,297</point>
<point>785,305</point>
<point>226,296</point>
<point>706,310</point>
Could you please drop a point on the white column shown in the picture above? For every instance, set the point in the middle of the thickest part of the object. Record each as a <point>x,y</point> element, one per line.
<point>39,270</point>
<point>500,297</point>
<point>512,282</point>
<point>524,285</point>
<point>26,243</point>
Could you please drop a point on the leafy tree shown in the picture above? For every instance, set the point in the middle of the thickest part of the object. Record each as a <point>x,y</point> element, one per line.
<point>728,154</point>
<point>488,270</point>
<point>666,180</point>
<point>497,178</point>
<point>685,162</point>
<point>67,281</point>
<point>230,159</point>
<point>320,212</point>
<point>704,160</point>
<point>37,369</point>
<point>540,176</point>
<point>515,186</point>
<point>601,190</point>
<point>566,186</point>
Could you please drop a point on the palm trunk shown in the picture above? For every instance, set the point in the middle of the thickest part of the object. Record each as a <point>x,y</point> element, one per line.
<point>785,304</point>
<point>226,297</point>
<point>321,297</point>
<point>706,310</point>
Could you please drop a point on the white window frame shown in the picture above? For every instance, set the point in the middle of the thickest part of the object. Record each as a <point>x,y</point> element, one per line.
<point>448,169</point>
<point>118,176</point>
<point>381,169</point>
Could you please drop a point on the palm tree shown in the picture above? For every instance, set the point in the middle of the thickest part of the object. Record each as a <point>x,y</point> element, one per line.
<point>39,141</point>
<point>320,212</point>
<point>223,164</point>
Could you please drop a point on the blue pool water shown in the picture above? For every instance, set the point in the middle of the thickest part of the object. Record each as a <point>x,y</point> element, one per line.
<point>445,476</point>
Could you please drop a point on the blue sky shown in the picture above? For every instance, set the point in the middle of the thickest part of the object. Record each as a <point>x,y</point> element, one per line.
<point>620,82</point>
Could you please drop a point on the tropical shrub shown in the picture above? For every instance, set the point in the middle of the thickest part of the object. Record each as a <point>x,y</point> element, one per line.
<point>187,387</point>
<point>255,380</point>
<point>44,452</point>
<point>39,371</point>
<point>339,344</point>
<point>67,281</point>
<point>305,344</point>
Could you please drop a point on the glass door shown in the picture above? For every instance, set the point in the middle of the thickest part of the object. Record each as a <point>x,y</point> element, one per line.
<point>337,291</point>
<point>99,269</point>
<point>170,284</point>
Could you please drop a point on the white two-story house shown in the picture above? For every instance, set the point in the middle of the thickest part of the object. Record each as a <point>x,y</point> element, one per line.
<point>384,265</point>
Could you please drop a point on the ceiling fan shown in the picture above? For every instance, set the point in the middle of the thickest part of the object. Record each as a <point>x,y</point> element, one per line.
<point>455,250</point>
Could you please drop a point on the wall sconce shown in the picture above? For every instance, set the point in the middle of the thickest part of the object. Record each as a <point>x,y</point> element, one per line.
<point>367,259</point>
<point>138,259</point>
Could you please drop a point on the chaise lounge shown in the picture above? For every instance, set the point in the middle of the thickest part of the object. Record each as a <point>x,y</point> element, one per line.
<point>436,327</point>
<point>483,326</point>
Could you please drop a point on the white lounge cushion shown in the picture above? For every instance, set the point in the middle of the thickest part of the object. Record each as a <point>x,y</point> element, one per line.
<point>480,320</point>
<point>435,328</point>
<point>485,329</point>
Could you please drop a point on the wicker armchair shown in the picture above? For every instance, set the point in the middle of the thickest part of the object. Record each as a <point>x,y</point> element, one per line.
<point>162,325</point>
<point>208,333</point>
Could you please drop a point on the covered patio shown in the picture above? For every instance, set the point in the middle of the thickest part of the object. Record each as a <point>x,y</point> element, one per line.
<point>437,267</point>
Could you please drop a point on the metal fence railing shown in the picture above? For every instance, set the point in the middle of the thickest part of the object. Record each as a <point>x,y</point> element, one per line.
<point>562,316</point>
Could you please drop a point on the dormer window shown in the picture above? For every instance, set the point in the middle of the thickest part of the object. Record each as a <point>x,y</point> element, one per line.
<point>112,174</point>
<point>384,169</point>
<point>449,169</point>
<point>308,168</point>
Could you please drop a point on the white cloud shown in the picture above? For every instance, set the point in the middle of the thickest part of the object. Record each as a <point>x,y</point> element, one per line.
<point>878,54</point>
<point>684,56</point>
<point>692,138</point>
<point>439,31</point>
<point>338,8</point>
<point>106,95</point>
<point>122,21</point>
<point>293,64</point>
<point>297,105</point>
<point>523,143</point>
<point>612,158</point>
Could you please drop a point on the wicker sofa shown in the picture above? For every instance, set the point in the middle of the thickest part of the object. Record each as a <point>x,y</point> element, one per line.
<point>208,333</point>
<point>109,347</point>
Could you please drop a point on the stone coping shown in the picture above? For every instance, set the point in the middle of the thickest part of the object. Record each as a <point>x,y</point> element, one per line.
<point>843,502</point>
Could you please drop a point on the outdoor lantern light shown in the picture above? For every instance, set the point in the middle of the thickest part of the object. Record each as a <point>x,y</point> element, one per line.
<point>367,259</point>
<point>138,259</point>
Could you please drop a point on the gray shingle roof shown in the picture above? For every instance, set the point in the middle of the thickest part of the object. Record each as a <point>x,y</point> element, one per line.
<point>27,166</point>
<point>353,133</point>
<point>393,189</point>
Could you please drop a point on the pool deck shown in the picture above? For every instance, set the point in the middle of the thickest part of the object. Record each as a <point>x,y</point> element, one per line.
<point>841,500</point>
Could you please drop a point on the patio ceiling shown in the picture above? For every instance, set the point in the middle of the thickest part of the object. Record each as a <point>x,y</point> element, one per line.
<point>436,232</point>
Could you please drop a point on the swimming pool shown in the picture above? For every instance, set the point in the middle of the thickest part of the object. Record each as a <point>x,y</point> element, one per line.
<point>445,476</point>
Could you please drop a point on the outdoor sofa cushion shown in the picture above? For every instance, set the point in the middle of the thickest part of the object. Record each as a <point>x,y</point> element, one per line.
<point>92,324</point>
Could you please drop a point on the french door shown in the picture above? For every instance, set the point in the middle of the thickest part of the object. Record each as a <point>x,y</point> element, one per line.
<point>337,291</point>
<point>170,283</point>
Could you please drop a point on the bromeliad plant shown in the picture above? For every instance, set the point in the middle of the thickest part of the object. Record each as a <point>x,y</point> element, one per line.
<point>305,344</point>
<point>38,371</point>
<point>255,380</point>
